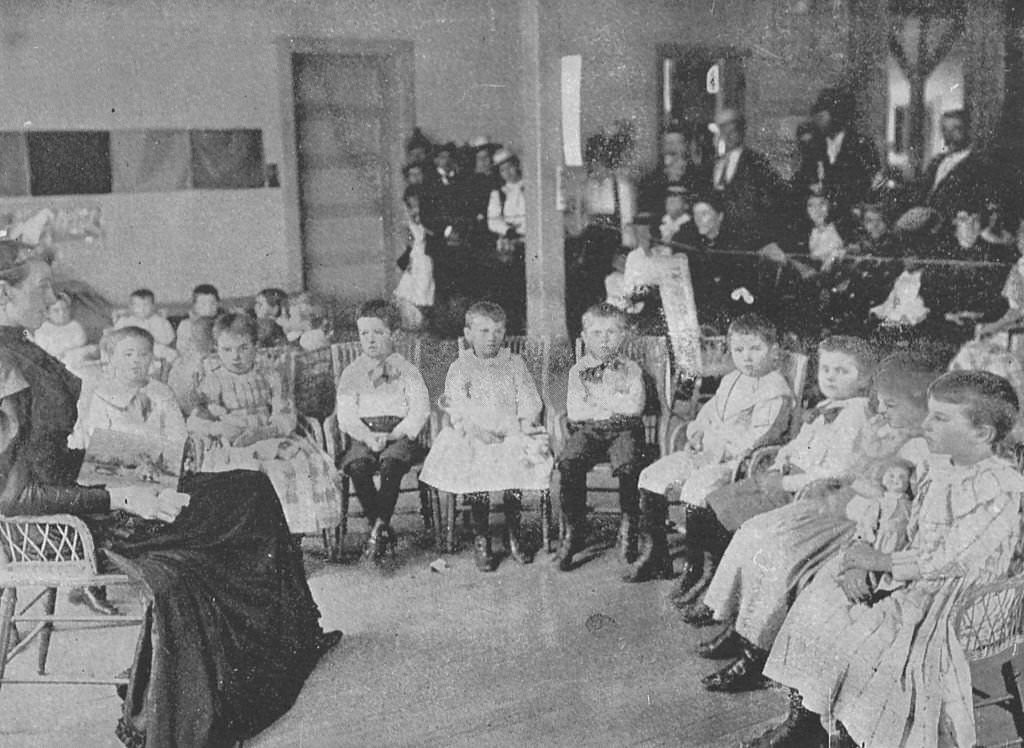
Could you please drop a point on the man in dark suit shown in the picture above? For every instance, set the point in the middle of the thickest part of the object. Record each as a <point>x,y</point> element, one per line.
<point>750,189</point>
<point>840,162</point>
<point>957,176</point>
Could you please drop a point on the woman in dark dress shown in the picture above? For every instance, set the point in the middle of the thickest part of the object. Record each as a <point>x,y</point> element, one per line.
<point>231,628</point>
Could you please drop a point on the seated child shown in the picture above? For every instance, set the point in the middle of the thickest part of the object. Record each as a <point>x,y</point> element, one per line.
<point>142,313</point>
<point>270,307</point>
<point>775,555</point>
<point>493,443</point>
<point>126,399</point>
<point>382,405</point>
<point>205,303</point>
<point>826,447</point>
<point>306,324</point>
<point>247,421</point>
<point>187,370</point>
<point>751,408</point>
<point>604,406</point>
<point>890,672</point>
<point>824,243</point>
<point>60,335</point>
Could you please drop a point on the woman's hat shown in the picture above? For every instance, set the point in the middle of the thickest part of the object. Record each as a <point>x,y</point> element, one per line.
<point>502,155</point>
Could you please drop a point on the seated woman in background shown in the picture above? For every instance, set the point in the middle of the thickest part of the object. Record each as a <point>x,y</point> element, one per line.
<point>225,585</point>
<point>247,421</point>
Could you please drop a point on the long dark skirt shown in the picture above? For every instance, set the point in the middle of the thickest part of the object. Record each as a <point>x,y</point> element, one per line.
<point>231,628</point>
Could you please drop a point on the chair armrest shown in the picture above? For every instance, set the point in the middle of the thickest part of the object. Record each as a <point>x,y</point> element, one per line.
<point>755,461</point>
<point>677,437</point>
<point>58,542</point>
<point>990,617</point>
<point>557,425</point>
<point>335,440</point>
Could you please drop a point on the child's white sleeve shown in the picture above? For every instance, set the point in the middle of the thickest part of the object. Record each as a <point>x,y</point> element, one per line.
<point>418,401</point>
<point>973,540</point>
<point>528,400</point>
<point>347,407</point>
<point>282,410</point>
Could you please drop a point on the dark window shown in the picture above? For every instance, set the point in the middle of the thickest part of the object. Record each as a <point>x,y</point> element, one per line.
<point>227,159</point>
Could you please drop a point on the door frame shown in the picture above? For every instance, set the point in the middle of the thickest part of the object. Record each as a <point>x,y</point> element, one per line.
<point>398,60</point>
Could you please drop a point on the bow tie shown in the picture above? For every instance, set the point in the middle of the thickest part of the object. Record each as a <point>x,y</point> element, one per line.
<point>382,374</point>
<point>593,374</point>
<point>142,405</point>
<point>829,412</point>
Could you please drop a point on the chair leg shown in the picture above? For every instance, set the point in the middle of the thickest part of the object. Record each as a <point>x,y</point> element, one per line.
<point>435,504</point>
<point>452,504</point>
<point>342,529</point>
<point>49,605</point>
<point>545,519</point>
<point>8,601</point>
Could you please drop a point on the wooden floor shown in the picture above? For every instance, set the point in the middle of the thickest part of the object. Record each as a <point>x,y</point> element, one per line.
<point>525,656</point>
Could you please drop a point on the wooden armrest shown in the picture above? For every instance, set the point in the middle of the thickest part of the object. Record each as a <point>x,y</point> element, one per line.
<point>990,617</point>
<point>755,461</point>
<point>677,438</point>
<point>56,539</point>
<point>335,440</point>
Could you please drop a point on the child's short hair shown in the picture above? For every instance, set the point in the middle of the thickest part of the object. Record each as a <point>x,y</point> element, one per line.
<point>487,309</point>
<point>236,324</point>
<point>990,399</point>
<point>383,310</point>
<point>754,324</point>
<point>205,289</point>
<point>111,338</point>
<point>856,348</point>
<point>201,336</point>
<point>143,293</point>
<point>276,298</point>
<point>604,310</point>
<point>907,375</point>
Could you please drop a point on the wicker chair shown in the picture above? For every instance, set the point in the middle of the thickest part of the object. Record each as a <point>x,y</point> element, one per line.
<point>535,352</point>
<point>51,552</point>
<point>335,442</point>
<point>652,353</point>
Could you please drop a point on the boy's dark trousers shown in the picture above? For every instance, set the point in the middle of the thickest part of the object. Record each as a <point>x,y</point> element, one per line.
<point>621,442</point>
<point>360,464</point>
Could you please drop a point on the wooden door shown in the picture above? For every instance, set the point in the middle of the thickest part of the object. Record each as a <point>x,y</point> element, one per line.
<point>346,198</point>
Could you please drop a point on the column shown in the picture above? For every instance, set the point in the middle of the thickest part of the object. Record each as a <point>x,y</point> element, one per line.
<point>542,154</point>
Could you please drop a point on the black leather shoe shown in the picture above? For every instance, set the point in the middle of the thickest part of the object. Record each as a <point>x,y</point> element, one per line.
<point>744,674</point>
<point>699,615</point>
<point>94,598</point>
<point>727,644</point>
<point>800,729</point>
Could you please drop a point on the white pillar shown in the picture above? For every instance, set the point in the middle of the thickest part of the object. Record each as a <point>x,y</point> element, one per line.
<point>542,154</point>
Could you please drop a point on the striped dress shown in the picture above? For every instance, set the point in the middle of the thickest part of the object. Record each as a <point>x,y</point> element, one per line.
<point>303,475</point>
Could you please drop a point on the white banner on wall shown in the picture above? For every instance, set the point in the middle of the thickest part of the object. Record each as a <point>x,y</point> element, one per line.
<point>572,76</point>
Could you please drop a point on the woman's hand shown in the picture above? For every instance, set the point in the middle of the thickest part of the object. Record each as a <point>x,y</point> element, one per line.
<point>148,502</point>
<point>854,583</point>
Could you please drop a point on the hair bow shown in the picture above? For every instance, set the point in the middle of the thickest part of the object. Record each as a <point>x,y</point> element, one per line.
<point>743,294</point>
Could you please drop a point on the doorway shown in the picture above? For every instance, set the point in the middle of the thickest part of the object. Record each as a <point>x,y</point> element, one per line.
<point>348,106</point>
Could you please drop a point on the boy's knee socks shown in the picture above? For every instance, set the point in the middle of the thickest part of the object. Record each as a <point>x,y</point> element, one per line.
<point>391,474</point>
<point>573,492</point>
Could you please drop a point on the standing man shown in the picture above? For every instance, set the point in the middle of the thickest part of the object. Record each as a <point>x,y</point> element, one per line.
<point>750,189</point>
<point>956,176</point>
